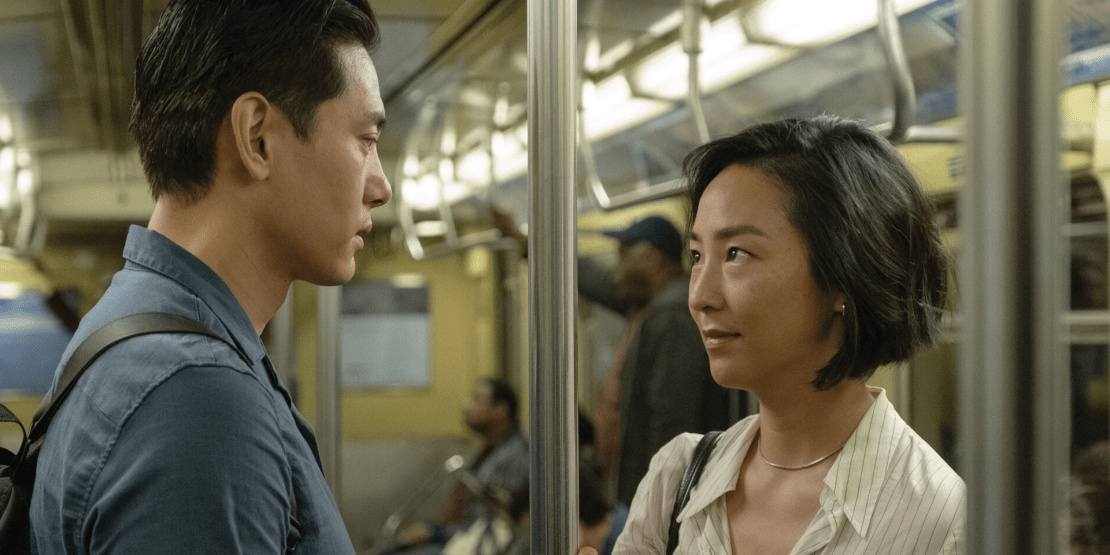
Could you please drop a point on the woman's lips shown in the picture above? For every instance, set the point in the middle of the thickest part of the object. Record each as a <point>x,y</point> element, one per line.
<point>718,338</point>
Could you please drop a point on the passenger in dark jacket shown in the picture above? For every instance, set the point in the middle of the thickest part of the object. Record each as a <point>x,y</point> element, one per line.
<point>659,385</point>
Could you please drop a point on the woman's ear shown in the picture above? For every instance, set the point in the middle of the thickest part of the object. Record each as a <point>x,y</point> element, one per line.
<point>840,303</point>
<point>251,118</point>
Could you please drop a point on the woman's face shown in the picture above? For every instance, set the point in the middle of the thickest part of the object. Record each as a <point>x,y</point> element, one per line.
<point>763,319</point>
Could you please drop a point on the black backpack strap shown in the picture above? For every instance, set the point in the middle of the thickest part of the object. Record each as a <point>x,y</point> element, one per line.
<point>120,329</point>
<point>7,457</point>
<point>109,334</point>
<point>689,480</point>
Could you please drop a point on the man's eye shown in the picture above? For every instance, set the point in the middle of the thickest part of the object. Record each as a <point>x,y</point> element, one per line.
<point>695,256</point>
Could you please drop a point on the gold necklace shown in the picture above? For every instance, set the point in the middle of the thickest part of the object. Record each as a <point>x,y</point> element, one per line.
<point>759,447</point>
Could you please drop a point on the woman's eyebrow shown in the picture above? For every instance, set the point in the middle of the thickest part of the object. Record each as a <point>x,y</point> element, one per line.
<point>733,231</point>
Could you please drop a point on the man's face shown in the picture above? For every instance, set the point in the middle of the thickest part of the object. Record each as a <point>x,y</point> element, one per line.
<point>481,412</point>
<point>324,188</point>
<point>638,262</point>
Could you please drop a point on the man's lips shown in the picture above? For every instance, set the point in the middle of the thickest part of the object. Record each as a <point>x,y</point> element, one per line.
<point>362,234</point>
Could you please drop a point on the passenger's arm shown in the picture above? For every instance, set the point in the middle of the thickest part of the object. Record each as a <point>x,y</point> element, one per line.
<point>199,467</point>
<point>453,512</point>
<point>596,283</point>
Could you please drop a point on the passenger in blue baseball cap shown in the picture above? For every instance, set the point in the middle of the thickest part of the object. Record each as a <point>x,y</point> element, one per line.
<point>659,384</point>
<point>650,258</point>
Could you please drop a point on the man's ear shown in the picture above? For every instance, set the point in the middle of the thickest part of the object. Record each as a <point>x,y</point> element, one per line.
<point>251,118</point>
<point>656,258</point>
<point>502,410</point>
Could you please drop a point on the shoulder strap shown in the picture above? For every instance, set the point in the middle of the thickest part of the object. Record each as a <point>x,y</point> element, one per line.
<point>109,334</point>
<point>120,329</point>
<point>689,480</point>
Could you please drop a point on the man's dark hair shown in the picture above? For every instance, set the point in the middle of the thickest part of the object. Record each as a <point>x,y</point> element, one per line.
<point>204,54</point>
<point>867,225</point>
<point>502,392</point>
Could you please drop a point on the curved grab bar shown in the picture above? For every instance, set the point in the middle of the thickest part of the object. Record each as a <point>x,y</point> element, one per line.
<point>691,45</point>
<point>905,98</point>
<point>453,242</point>
<point>691,37</point>
<point>430,484</point>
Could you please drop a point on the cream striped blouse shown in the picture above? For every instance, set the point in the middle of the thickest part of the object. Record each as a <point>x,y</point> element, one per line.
<point>888,492</point>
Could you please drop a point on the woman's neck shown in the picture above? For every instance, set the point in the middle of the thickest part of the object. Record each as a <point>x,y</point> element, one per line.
<point>797,429</point>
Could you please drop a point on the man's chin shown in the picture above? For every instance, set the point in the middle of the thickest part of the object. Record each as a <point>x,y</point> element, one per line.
<point>332,279</point>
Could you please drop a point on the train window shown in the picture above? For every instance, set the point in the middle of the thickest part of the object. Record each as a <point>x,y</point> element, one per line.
<point>386,333</point>
<point>931,408</point>
<point>1089,350</point>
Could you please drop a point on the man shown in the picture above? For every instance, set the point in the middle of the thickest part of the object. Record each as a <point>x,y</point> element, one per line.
<point>659,385</point>
<point>500,468</point>
<point>257,124</point>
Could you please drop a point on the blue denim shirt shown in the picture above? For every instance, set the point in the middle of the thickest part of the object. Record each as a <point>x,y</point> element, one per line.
<point>170,443</point>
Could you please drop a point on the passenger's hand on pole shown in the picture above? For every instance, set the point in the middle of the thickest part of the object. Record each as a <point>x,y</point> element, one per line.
<point>415,534</point>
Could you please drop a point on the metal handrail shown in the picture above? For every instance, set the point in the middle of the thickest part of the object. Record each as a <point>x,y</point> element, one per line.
<point>691,44</point>
<point>430,485</point>
<point>905,106</point>
<point>905,98</point>
<point>900,129</point>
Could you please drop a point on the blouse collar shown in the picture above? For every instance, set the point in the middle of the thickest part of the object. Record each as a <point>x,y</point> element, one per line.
<point>850,484</point>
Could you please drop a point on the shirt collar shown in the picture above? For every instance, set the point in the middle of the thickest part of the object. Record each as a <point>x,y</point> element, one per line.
<point>863,460</point>
<point>854,479</point>
<point>723,467</point>
<point>156,252</point>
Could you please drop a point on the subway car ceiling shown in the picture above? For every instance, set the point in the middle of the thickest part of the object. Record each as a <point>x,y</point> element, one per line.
<point>453,76</point>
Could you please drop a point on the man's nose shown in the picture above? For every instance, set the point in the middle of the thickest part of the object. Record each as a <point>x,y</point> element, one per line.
<point>378,190</point>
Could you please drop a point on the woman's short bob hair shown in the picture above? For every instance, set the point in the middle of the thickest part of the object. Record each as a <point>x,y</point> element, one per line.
<point>867,225</point>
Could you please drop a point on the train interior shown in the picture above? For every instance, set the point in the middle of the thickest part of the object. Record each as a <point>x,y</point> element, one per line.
<point>440,297</point>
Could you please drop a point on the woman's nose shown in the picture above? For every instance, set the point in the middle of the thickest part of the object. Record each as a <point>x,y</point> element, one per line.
<point>704,290</point>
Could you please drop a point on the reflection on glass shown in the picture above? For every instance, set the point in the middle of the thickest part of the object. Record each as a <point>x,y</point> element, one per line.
<point>1090,358</point>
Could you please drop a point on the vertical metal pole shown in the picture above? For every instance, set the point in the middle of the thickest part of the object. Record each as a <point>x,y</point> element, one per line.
<point>1013,411</point>
<point>327,384</point>
<point>553,294</point>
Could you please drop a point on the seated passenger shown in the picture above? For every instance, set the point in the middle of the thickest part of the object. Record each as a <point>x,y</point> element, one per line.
<point>600,521</point>
<point>500,467</point>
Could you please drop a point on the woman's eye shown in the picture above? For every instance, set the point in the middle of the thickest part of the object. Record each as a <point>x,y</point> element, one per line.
<point>734,253</point>
<point>695,256</point>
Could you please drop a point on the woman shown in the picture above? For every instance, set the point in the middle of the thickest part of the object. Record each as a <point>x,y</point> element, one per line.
<point>815,261</point>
